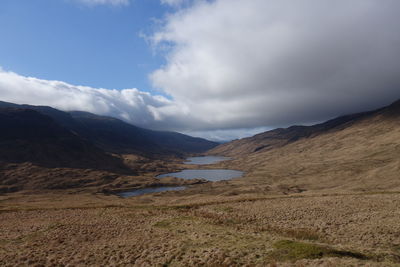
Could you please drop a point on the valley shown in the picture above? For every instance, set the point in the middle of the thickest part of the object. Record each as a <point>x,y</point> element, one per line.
<point>322,195</point>
<point>204,133</point>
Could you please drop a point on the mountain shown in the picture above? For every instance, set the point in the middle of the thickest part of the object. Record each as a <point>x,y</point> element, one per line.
<point>30,136</point>
<point>354,152</point>
<point>37,153</point>
<point>117,136</point>
<point>44,148</point>
<point>120,137</point>
<point>282,136</point>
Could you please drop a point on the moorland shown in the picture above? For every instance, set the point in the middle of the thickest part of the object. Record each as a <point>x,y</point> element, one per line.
<point>321,195</point>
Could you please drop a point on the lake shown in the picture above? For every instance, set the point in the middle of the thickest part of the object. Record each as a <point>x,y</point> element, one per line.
<point>210,175</point>
<point>205,160</point>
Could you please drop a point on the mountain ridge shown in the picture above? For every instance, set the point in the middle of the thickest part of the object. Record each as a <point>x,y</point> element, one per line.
<point>280,137</point>
<point>117,136</point>
<point>358,152</point>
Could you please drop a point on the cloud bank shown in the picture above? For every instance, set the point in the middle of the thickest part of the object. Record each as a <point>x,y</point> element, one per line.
<point>240,64</point>
<point>134,106</point>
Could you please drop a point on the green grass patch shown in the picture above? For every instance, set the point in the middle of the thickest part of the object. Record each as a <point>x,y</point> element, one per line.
<point>163,224</point>
<point>302,234</point>
<point>224,209</point>
<point>287,250</point>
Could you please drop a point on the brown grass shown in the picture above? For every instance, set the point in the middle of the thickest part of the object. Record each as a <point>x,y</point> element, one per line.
<point>331,200</point>
<point>106,230</point>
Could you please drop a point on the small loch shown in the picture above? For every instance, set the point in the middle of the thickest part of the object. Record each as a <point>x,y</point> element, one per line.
<point>213,175</point>
<point>210,175</point>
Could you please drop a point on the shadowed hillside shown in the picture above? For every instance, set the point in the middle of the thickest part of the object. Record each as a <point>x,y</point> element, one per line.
<point>116,136</point>
<point>44,148</point>
<point>37,153</point>
<point>29,136</point>
<point>120,137</point>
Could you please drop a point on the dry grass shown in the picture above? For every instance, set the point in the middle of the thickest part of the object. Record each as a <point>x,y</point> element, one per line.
<point>106,230</point>
<point>361,158</point>
<point>332,200</point>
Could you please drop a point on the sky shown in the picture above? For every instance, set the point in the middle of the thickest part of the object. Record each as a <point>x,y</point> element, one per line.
<point>220,69</point>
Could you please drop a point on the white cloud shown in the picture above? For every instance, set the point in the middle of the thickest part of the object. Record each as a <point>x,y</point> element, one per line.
<point>105,2</point>
<point>239,63</point>
<point>132,105</point>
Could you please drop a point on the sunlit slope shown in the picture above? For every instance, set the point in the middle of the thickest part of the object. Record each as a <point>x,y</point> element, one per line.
<point>362,153</point>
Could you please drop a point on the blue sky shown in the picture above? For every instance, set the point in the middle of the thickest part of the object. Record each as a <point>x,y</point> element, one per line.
<point>232,68</point>
<point>95,45</point>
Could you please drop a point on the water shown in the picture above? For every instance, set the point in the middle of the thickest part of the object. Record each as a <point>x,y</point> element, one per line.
<point>210,175</point>
<point>205,160</point>
<point>149,190</point>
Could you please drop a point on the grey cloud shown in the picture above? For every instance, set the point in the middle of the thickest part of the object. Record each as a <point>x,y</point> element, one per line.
<point>271,63</point>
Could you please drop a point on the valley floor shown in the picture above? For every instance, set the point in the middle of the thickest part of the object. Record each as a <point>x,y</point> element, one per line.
<point>179,229</point>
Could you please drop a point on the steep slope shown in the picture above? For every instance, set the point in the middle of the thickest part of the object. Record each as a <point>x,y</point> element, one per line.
<point>29,136</point>
<point>120,137</point>
<point>116,136</point>
<point>283,136</point>
<point>359,153</point>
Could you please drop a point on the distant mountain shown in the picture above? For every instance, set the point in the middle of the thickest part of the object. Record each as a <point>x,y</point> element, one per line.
<point>355,152</point>
<point>117,136</point>
<point>30,136</point>
<point>283,136</point>
<point>120,137</point>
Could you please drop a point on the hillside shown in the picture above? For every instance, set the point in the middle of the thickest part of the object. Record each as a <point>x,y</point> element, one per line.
<point>37,153</point>
<point>282,136</point>
<point>120,137</point>
<point>29,136</point>
<point>44,148</point>
<point>354,152</point>
<point>117,136</point>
